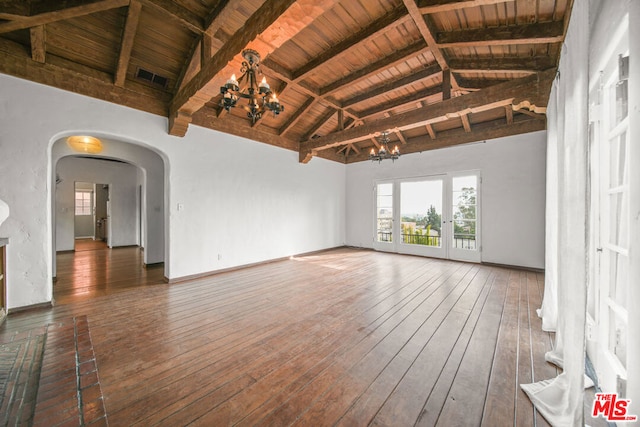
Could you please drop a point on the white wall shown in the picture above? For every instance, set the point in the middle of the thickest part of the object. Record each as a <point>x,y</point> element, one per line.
<point>122,181</point>
<point>243,201</point>
<point>512,198</point>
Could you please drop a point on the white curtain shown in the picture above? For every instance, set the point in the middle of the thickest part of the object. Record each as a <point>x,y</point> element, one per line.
<point>561,400</point>
<point>555,118</point>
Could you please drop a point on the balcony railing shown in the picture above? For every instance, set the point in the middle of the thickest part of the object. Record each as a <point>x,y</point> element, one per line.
<point>460,241</point>
<point>419,239</point>
<point>465,241</point>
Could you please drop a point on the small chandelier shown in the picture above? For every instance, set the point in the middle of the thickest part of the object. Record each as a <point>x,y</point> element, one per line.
<point>260,96</point>
<point>383,151</point>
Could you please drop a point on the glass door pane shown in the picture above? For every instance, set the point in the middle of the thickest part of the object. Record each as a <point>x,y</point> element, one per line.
<point>464,197</point>
<point>421,217</point>
<point>384,212</point>
<point>421,213</point>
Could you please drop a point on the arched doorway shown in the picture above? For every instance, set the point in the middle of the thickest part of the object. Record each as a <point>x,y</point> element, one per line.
<point>135,220</point>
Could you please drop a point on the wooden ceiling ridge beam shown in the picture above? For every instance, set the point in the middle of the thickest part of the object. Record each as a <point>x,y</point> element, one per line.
<point>481,132</point>
<point>533,90</point>
<point>429,37</point>
<point>436,6</point>
<point>541,32</point>
<point>364,73</point>
<point>191,98</point>
<point>60,15</point>
<point>126,45</point>
<point>427,72</point>
<point>381,25</point>
<point>180,14</point>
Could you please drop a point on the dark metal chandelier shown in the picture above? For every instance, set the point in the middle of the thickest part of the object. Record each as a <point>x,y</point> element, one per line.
<point>384,152</point>
<point>260,96</point>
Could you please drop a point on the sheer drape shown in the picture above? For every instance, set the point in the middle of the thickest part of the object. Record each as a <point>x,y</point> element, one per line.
<point>560,400</point>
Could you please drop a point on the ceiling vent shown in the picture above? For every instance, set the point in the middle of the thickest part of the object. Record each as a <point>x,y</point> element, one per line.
<point>150,77</point>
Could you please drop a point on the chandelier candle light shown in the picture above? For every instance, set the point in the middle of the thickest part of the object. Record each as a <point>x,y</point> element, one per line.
<point>383,151</point>
<point>260,96</point>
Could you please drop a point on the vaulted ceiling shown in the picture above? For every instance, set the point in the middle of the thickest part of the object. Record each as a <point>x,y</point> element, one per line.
<point>433,73</point>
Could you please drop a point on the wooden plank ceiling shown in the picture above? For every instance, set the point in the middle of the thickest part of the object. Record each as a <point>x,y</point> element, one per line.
<point>434,73</point>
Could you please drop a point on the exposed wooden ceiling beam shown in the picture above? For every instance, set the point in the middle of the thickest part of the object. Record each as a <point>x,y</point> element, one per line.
<point>403,100</point>
<point>428,72</point>
<point>273,24</point>
<point>525,111</point>
<point>278,71</point>
<point>508,109</point>
<point>318,123</point>
<point>126,45</point>
<point>544,32</point>
<point>207,117</point>
<point>401,137</point>
<point>482,131</point>
<point>220,13</point>
<point>181,15</point>
<point>309,103</point>
<point>508,64</point>
<point>428,35</point>
<point>392,19</point>
<point>73,77</point>
<point>430,131</point>
<point>60,15</point>
<point>201,49</point>
<point>532,89</point>
<point>38,45</point>
<point>465,122</point>
<point>435,6</point>
<point>12,9</point>
<point>191,97</point>
<point>476,84</point>
<point>399,56</point>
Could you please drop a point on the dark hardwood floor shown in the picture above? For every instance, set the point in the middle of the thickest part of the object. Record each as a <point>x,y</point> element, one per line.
<point>344,337</point>
<point>95,270</point>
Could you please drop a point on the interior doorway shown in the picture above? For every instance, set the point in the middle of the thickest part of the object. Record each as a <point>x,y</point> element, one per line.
<point>436,216</point>
<point>91,214</point>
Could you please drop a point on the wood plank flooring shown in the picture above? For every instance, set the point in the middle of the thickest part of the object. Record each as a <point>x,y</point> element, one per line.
<point>344,337</point>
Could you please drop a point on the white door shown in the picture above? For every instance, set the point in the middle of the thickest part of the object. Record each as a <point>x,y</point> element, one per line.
<point>436,216</point>
<point>610,166</point>
<point>464,217</point>
<point>384,239</point>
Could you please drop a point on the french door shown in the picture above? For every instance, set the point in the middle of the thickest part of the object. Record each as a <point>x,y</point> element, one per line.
<point>607,303</point>
<point>436,216</point>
